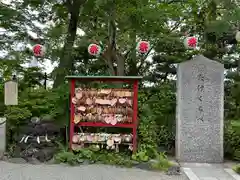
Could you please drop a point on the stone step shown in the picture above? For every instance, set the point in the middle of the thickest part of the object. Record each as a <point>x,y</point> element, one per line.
<point>205,171</point>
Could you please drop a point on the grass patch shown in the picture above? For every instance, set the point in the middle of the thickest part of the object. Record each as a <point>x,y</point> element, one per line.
<point>237,168</point>
<point>161,163</point>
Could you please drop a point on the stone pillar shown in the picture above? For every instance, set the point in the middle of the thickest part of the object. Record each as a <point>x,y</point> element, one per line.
<point>2,135</point>
<point>199,118</point>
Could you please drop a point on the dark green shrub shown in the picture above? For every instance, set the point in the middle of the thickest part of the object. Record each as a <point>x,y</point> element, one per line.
<point>237,168</point>
<point>232,142</point>
<point>47,104</point>
<point>161,103</point>
<point>147,131</point>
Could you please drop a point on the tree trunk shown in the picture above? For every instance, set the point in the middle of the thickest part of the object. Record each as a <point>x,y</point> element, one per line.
<point>133,70</point>
<point>107,56</point>
<point>210,15</point>
<point>112,55</point>
<point>66,62</point>
<point>120,64</point>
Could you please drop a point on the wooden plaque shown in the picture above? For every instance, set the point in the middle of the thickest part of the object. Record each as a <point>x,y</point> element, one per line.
<point>11,93</point>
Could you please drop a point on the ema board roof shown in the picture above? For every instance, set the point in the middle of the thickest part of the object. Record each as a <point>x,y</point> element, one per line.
<point>105,77</point>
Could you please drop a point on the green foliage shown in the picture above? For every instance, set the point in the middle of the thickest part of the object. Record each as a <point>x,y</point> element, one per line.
<point>42,102</point>
<point>88,154</point>
<point>113,159</point>
<point>47,104</point>
<point>32,77</point>
<point>17,116</point>
<point>151,108</point>
<point>161,163</point>
<point>157,117</point>
<point>147,131</point>
<point>91,156</point>
<point>60,108</point>
<point>236,126</point>
<point>232,142</point>
<point>66,157</point>
<point>236,155</point>
<point>166,137</point>
<point>141,156</point>
<point>134,20</point>
<point>232,97</point>
<point>237,168</point>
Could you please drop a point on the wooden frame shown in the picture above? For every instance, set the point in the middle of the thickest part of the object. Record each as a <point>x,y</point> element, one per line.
<point>126,79</point>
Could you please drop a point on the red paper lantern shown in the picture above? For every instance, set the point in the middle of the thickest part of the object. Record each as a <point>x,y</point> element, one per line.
<point>143,47</point>
<point>39,50</point>
<point>190,42</point>
<point>94,49</point>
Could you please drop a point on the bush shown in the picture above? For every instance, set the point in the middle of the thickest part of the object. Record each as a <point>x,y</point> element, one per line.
<point>17,116</point>
<point>147,132</point>
<point>232,141</point>
<point>91,155</point>
<point>237,168</point>
<point>236,126</point>
<point>161,103</point>
<point>162,162</point>
<point>42,103</point>
<point>166,138</point>
<point>45,102</point>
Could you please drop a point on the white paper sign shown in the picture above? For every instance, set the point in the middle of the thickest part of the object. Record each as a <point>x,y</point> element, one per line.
<point>11,93</point>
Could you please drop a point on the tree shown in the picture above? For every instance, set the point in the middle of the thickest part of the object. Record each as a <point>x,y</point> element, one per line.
<point>119,25</point>
<point>214,24</point>
<point>66,61</point>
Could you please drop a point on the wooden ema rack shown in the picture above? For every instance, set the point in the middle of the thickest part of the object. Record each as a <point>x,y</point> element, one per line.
<point>133,80</point>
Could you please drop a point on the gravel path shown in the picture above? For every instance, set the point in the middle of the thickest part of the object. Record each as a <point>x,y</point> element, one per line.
<point>9,171</point>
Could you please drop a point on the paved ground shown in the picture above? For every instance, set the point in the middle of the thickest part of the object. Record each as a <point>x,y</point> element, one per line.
<point>9,171</point>
<point>196,171</point>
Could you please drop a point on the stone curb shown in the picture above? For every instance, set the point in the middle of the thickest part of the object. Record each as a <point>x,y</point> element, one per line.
<point>232,173</point>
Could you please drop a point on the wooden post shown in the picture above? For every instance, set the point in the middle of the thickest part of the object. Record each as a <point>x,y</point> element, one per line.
<point>135,111</point>
<point>72,92</point>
